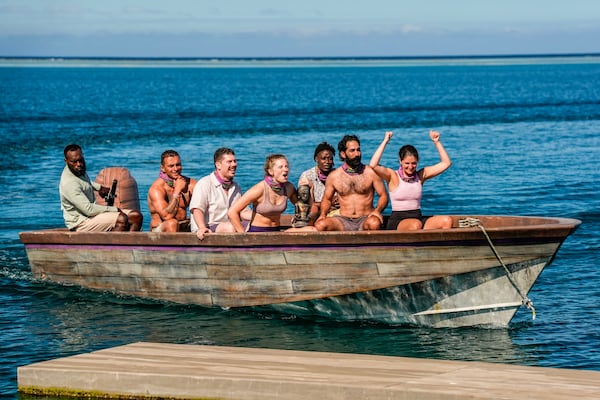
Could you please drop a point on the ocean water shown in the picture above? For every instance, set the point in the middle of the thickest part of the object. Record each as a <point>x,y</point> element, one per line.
<point>523,135</point>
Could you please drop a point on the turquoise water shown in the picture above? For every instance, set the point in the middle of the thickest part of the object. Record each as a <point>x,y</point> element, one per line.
<point>523,136</point>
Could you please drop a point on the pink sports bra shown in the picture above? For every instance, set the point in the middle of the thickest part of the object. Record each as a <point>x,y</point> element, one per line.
<point>269,210</point>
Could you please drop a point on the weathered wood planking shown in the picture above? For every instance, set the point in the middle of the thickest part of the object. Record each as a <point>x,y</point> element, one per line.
<point>209,372</point>
<point>427,270</point>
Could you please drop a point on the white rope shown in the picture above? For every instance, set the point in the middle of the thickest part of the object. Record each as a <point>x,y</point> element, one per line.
<point>471,222</point>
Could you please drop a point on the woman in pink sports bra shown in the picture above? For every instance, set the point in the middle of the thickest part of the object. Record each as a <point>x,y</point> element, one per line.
<point>405,186</point>
<point>268,198</point>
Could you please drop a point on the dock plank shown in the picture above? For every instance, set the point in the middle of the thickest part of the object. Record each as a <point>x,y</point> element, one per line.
<point>161,370</point>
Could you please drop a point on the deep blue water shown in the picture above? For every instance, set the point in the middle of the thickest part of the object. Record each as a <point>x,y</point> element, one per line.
<point>524,138</point>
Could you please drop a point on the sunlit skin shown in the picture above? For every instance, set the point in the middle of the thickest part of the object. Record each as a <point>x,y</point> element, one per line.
<point>355,193</point>
<point>324,161</point>
<point>280,170</point>
<point>226,167</point>
<point>168,205</point>
<point>76,162</point>
<point>409,165</point>
<point>172,167</point>
<point>352,155</point>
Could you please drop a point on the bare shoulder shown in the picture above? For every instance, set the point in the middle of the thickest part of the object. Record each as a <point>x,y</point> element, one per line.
<point>256,190</point>
<point>334,174</point>
<point>370,171</point>
<point>156,192</point>
<point>157,186</point>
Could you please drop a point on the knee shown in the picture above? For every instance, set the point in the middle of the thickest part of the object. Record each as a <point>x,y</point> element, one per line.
<point>446,222</point>
<point>372,224</point>
<point>135,218</point>
<point>170,225</point>
<point>410,225</point>
<point>439,222</point>
<point>121,224</point>
<point>321,225</point>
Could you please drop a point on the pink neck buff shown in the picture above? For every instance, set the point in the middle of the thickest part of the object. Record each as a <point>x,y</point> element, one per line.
<point>353,171</point>
<point>322,176</point>
<point>166,178</point>
<point>408,179</point>
<point>276,186</point>
<point>226,184</point>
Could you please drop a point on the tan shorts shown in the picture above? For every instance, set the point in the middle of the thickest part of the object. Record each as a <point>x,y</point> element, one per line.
<point>103,222</point>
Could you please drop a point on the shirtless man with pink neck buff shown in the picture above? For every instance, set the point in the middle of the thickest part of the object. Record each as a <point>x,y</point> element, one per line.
<point>355,184</point>
<point>169,196</point>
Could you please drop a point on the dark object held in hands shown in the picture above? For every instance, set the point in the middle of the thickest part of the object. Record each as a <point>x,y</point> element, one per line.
<point>110,197</point>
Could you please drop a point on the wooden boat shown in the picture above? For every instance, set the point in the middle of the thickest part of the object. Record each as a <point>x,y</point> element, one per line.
<point>463,276</point>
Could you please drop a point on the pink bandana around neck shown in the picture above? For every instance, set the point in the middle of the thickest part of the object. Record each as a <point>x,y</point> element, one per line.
<point>226,184</point>
<point>277,187</point>
<point>408,179</point>
<point>166,178</point>
<point>353,171</point>
<point>322,176</point>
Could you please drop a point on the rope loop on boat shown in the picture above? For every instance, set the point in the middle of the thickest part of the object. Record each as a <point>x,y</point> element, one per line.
<point>474,222</point>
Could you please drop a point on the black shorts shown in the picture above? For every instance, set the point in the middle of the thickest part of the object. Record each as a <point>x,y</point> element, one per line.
<point>398,216</point>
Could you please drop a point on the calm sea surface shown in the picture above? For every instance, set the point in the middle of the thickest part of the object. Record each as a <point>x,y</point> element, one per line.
<point>523,135</point>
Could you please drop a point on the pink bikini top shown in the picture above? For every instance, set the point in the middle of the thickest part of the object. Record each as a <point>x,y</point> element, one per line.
<point>269,210</point>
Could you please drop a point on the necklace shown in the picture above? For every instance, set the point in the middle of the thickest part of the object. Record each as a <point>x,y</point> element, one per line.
<point>226,184</point>
<point>353,171</point>
<point>166,178</point>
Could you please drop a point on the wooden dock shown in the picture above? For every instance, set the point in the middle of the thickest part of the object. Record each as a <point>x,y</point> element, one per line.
<point>173,371</point>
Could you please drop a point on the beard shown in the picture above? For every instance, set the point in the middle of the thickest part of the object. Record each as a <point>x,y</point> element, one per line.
<point>78,171</point>
<point>354,162</point>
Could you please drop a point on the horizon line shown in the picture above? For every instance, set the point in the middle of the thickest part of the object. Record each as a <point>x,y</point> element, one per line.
<point>292,58</point>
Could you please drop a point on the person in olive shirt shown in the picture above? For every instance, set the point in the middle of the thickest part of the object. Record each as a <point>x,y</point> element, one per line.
<point>77,200</point>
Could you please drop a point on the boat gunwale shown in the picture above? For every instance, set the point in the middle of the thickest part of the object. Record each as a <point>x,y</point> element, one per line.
<point>548,228</point>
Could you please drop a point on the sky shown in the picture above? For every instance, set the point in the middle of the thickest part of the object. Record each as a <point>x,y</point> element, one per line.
<point>300,28</point>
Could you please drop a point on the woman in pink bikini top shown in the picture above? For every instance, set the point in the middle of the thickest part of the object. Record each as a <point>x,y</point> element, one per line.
<point>268,197</point>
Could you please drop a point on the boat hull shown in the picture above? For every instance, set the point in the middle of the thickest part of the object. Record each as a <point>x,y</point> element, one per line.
<point>442,278</point>
<point>479,298</point>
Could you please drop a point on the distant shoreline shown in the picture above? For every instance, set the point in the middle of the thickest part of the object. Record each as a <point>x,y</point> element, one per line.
<point>199,62</point>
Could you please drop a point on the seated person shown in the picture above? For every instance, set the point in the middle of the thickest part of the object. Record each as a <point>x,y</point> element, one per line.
<point>78,203</point>
<point>315,178</point>
<point>406,186</point>
<point>268,197</point>
<point>355,185</point>
<point>169,196</point>
<point>214,194</point>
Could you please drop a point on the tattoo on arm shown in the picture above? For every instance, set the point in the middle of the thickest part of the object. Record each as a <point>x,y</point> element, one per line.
<point>172,206</point>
